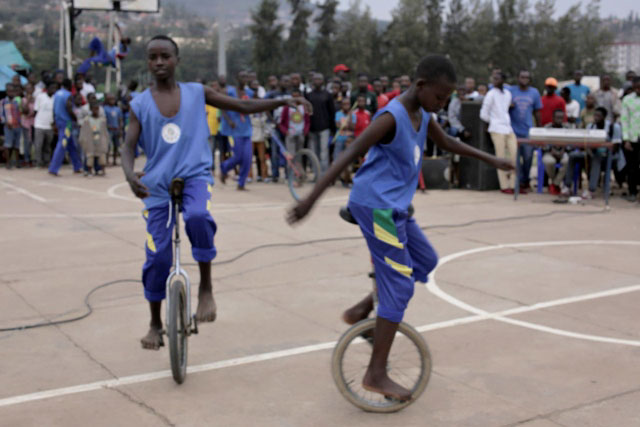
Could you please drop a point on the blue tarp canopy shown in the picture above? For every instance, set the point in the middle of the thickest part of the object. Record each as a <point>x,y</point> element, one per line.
<point>6,73</point>
<point>11,56</point>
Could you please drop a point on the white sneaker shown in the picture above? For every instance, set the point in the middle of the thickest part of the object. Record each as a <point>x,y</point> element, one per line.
<point>586,195</point>
<point>564,190</point>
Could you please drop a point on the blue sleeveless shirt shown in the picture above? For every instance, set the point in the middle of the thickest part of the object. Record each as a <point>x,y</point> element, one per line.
<point>389,176</point>
<point>60,113</point>
<point>175,146</point>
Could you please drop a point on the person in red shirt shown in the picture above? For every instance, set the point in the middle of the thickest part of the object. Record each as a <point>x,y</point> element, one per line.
<point>363,116</point>
<point>551,102</point>
<point>378,89</point>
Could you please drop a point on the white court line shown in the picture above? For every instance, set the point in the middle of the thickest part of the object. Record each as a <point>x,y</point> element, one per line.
<point>72,188</point>
<point>24,192</point>
<point>111,192</point>
<point>152,376</point>
<point>433,287</point>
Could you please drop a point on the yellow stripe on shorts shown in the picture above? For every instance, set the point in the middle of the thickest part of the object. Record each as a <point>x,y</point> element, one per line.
<point>150,244</point>
<point>400,268</point>
<point>385,236</point>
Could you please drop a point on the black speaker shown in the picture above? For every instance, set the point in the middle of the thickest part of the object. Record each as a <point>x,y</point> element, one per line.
<point>436,173</point>
<point>474,174</point>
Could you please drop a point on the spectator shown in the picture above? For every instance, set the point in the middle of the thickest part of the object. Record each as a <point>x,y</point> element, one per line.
<point>41,86</point>
<point>296,82</point>
<point>572,106</point>
<point>258,136</point>
<point>341,71</point>
<point>555,159</point>
<point>345,123</point>
<point>550,102</point>
<point>64,118</point>
<point>630,120</point>
<point>94,139</point>
<point>308,86</point>
<point>363,116</point>
<point>294,125</point>
<point>470,89</point>
<point>363,89</point>
<point>586,115</point>
<point>453,112</point>
<point>58,77</point>
<point>213,121</point>
<point>336,93</point>
<point>628,82</point>
<point>381,99</point>
<point>12,129</point>
<point>16,81</point>
<point>44,136</point>
<point>495,112</point>
<point>114,124</point>
<point>482,92</point>
<point>395,90</point>
<point>272,85</point>
<point>385,84</point>
<point>276,156</point>
<point>405,82</point>
<point>322,120</point>
<point>598,155</point>
<point>578,91</point>
<point>27,117</point>
<point>252,77</point>
<point>607,97</point>
<point>526,105</point>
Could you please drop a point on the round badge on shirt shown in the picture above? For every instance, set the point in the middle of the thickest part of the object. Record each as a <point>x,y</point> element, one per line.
<point>416,155</point>
<point>171,133</point>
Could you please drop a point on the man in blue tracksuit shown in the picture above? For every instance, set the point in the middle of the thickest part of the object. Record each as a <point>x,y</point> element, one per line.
<point>64,117</point>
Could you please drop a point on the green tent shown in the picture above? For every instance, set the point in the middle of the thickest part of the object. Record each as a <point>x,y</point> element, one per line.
<point>11,56</point>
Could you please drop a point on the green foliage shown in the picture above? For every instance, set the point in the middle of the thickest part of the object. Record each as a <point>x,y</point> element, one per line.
<point>326,21</point>
<point>296,49</point>
<point>267,47</point>
<point>355,38</point>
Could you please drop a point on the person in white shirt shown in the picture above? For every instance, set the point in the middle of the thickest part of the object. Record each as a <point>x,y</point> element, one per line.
<point>495,111</point>
<point>573,106</point>
<point>44,137</point>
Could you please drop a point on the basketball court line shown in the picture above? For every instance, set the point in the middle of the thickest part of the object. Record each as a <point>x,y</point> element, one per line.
<point>23,191</point>
<point>262,357</point>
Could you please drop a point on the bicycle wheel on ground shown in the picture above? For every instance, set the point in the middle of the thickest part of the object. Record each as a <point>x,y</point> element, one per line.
<point>177,324</point>
<point>409,365</point>
<point>302,173</point>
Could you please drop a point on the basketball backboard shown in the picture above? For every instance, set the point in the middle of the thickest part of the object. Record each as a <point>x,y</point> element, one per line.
<point>149,6</point>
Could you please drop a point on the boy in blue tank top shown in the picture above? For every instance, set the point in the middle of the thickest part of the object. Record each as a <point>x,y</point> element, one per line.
<point>170,121</point>
<point>379,201</point>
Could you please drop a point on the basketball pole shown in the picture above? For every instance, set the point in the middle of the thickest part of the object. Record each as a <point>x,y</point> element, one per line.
<point>61,38</point>
<point>107,85</point>
<point>67,37</point>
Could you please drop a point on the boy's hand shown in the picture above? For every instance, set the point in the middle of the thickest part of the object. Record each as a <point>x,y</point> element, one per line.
<point>137,187</point>
<point>299,211</point>
<point>503,164</point>
<point>298,100</point>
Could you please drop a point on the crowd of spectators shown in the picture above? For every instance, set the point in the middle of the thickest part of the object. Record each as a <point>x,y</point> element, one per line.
<point>341,111</point>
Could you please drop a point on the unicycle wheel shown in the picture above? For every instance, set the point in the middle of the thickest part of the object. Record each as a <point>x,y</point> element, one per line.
<point>303,173</point>
<point>409,365</point>
<point>177,325</point>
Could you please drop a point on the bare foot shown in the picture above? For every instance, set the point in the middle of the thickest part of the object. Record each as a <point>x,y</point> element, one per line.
<point>384,385</point>
<point>153,339</point>
<point>207,310</point>
<point>223,177</point>
<point>355,314</point>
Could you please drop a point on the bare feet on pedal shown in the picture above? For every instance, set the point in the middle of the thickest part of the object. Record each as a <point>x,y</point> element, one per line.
<point>384,385</point>
<point>153,339</point>
<point>207,310</point>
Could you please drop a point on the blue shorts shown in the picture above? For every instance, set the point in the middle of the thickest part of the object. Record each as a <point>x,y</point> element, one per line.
<point>401,255</point>
<point>200,228</point>
<point>12,137</point>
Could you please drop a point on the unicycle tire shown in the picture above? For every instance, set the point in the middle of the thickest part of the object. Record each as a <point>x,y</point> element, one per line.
<point>177,325</point>
<point>306,172</point>
<point>348,379</point>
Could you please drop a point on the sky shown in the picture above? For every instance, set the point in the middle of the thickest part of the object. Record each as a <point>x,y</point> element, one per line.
<point>381,9</point>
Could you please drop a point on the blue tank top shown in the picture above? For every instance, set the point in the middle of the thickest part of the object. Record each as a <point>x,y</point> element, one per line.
<point>389,176</point>
<point>60,113</point>
<point>242,121</point>
<point>176,147</point>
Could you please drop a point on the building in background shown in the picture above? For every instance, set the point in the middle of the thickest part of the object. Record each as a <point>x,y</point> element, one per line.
<point>623,56</point>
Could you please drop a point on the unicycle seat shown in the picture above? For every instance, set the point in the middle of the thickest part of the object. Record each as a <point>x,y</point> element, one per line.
<point>175,189</point>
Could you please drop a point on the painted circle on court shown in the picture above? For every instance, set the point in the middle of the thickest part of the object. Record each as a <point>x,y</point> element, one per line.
<point>433,287</point>
<point>171,133</point>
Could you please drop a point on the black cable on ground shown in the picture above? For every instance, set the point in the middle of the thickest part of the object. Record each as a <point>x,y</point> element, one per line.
<point>293,244</point>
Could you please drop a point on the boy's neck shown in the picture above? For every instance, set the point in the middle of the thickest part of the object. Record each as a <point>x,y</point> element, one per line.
<point>166,84</point>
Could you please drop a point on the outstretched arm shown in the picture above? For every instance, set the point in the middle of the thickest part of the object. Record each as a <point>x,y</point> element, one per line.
<point>447,143</point>
<point>384,125</point>
<point>249,106</point>
<point>128,158</point>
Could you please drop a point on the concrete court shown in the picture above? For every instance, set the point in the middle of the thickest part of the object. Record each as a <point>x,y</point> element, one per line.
<point>573,361</point>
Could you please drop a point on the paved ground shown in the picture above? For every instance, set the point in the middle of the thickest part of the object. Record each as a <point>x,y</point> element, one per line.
<point>531,335</point>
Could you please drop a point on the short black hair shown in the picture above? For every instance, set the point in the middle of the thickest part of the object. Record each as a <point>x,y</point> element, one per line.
<point>66,83</point>
<point>603,111</point>
<point>636,80</point>
<point>435,67</point>
<point>558,110</point>
<point>565,90</point>
<point>165,38</point>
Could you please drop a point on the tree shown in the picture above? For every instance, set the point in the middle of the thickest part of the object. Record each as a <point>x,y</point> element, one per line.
<point>434,25</point>
<point>503,50</point>
<point>296,50</point>
<point>267,47</point>
<point>354,39</point>
<point>480,33</point>
<point>593,40</point>
<point>405,40</point>
<point>323,51</point>
<point>455,39</point>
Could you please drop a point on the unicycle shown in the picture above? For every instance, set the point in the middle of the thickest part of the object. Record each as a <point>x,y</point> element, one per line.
<point>409,362</point>
<point>179,321</point>
<point>303,168</point>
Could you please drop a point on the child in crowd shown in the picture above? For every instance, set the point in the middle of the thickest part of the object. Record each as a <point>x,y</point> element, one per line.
<point>345,123</point>
<point>94,140</point>
<point>114,123</point>
<point>10,116</point>
<point>259,136</point>
<point>27,117</point>
<point>363,116</point>
<point>294,125</point>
